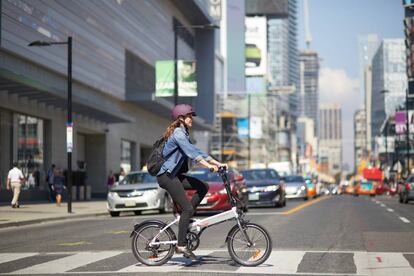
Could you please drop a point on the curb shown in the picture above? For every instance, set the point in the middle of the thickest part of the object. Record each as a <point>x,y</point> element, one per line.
<point>40,220</point>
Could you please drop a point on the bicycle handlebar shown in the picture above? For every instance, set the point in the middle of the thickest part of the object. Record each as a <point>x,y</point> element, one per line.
<point>221,169</point>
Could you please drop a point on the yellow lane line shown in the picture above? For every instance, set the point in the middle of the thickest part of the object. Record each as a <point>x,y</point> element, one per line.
<point>74,243</point>
<point>120,232</point>
<point>297,208</point>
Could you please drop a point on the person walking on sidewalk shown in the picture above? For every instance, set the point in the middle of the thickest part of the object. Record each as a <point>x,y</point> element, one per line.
<point>15,180</point>
<point>49,179</point>
<point>58,185</point>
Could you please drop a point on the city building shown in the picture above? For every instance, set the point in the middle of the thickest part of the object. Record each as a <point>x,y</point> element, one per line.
<point>116,117</point>
<point>330,136</point>
<point>281,72</point>
<point>360,138</point>
<point>309,98</point>
<point>389,83</point>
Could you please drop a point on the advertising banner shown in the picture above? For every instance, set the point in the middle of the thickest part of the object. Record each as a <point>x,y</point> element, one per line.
<point>164,78</point>
<point>243,128</point>
<point>255,85</point>
<point>401,122</point>
<point>256,46</point>
<point>187,81</point>
<point>256,128</point>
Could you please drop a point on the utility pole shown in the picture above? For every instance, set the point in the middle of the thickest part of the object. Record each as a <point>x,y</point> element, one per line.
<point>248,129</point>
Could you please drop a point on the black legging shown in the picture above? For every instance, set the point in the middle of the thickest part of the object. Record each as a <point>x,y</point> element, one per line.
<point>176,187</point>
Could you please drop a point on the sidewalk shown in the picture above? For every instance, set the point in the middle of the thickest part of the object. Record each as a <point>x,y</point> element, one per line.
<point>36,213</point>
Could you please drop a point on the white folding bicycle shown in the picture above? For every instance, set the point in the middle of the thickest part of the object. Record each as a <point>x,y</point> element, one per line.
<point>249,244</point>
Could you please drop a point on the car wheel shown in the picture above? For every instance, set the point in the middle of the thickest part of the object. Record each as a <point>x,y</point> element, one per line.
<point>166,206</point>
<point>137,213</point>
<point>305,198</point>
<point>114,214</point>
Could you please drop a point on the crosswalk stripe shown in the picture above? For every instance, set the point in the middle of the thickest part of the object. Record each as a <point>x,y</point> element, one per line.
<point>175,263</point>
<point>67,263</point>
<point>279,262</point>
<point>382,264</point>
<point>8,257</point>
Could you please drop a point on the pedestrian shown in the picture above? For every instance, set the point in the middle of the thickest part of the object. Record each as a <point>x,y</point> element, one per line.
<point>121,175</point>
<point>49,179</point>
<point>178,150</point>
<point>15,180</point>
<point>58,185</point>
<point>111,180</point>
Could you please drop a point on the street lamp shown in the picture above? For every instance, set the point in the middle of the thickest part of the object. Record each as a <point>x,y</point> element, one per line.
<point>69,126</point>
<point>177,26</point>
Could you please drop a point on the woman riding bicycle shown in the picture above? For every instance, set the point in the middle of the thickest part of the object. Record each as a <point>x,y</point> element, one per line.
<point>171,177</point>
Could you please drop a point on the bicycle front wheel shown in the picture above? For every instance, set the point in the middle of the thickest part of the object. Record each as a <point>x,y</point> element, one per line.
<point>156,254</point>
<point>247,254</point>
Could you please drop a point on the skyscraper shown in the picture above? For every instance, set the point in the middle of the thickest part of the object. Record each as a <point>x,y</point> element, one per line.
<point>309,99</point>
<point>389,82</point>
<point>330,136</point>
<point>360,138</point>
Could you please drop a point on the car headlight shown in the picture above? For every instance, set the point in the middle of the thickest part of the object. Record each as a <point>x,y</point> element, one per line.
<point>152,191</point>
<point>112,194</point>
<point>303,188</point>
<point>271,188</point>
<point>223,191</point>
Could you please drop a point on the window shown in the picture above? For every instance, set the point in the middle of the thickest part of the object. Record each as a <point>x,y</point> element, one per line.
<point>126,156</point>
<point>30,147</point>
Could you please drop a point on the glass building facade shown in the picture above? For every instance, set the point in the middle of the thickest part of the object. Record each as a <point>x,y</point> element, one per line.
<point>389,82</point>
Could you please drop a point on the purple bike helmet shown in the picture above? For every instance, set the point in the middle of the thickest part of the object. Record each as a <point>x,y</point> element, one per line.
<point>182,110</point>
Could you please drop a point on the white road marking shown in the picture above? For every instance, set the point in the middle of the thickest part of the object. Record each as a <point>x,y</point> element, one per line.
<point>404,220</point>
<point>390,210</point>
<point>382,264</point>
<point>8,257</point>
<point>279,262</point>
<point>67,263</point>
<point>383,205</point>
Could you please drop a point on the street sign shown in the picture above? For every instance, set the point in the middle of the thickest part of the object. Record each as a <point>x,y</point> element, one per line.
<point>69,137</point>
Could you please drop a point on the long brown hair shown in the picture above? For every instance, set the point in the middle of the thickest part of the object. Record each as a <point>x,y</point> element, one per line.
<point>170,129</point>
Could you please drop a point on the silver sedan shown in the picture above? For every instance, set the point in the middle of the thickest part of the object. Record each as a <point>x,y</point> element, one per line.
<point>137,192</point>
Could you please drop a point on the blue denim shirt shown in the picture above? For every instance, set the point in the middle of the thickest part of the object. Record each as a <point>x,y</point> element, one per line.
<point>178,148</point>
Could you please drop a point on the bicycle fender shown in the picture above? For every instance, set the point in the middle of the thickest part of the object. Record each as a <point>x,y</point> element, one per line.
<point>230,232</point>
<point>152,221</point>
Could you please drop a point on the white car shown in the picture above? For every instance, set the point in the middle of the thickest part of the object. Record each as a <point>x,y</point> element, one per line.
<point>137,192</point>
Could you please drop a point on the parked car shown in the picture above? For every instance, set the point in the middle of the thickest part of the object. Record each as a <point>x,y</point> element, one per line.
<point>216,198</point>
<point>295,187</point>
<point>137,192</point>
<point>265,187</point>
<point>406,190</point>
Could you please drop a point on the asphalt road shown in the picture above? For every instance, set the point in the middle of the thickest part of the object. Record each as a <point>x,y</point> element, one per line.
<point>337,235</point>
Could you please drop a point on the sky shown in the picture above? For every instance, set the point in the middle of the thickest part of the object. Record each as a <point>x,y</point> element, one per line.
<point>335,26</point>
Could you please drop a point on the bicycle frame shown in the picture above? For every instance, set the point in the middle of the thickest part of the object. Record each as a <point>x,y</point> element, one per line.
<point>199,225</point>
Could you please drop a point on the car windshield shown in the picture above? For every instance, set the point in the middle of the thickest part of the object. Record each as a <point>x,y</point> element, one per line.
<point>260,174</point>
<point>205,175</point>
<point>293,179</point>
<point>138,178</point>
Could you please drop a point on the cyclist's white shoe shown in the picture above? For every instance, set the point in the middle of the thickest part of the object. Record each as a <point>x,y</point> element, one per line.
<point>186,252</point>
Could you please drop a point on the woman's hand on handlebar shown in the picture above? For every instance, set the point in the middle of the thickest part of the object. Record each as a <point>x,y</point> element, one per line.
<point>213,168</point>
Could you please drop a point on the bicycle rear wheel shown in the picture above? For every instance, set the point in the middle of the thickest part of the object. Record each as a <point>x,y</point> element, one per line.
<point>243,253</point>
<point>152,255</point>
